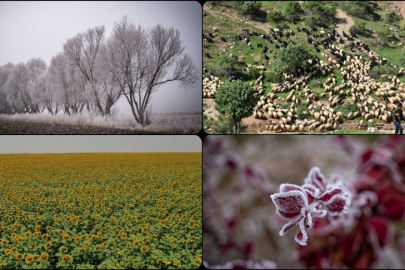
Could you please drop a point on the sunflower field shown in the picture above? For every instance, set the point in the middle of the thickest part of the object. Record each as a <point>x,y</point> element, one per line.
<point>101,211</point>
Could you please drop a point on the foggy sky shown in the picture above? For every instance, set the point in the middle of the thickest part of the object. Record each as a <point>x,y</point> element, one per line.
<point>98,143</point>
<point>39,29</point>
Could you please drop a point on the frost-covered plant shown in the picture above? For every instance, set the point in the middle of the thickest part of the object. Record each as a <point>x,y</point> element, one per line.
<point>299,205</point>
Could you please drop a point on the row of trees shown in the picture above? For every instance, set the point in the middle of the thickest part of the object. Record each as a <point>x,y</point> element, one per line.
<point>93,72</point>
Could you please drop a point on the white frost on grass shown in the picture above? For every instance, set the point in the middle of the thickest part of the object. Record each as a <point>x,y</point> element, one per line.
<point>165,123</point>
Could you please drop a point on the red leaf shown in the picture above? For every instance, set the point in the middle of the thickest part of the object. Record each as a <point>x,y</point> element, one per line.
<point>286,215</point>
<point>326,196</point>
<point>290,202</point>
<point>337,205</point>
<point>380,228</point>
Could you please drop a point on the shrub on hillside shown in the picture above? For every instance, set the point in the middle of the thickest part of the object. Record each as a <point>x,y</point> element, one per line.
<point>275,16</point>
<point>359,29</point>
<point>392,17</point>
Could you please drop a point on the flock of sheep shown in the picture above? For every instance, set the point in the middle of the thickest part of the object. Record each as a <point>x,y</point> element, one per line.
<point>356,87</point>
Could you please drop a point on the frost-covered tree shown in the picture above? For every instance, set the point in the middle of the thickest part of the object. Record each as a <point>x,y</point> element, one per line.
<point>68,83</point>
<point>83,51</point>
<point>143,60</point>
<point>16,89</point>
<point>5,72</point>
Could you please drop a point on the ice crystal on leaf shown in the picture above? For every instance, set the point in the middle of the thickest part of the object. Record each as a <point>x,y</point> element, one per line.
<point>299,205</point>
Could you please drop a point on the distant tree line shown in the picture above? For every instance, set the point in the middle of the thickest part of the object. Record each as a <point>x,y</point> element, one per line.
<point>93,72</point>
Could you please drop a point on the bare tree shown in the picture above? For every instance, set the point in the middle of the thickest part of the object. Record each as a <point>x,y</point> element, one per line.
<point>45,94</point>
<point>141,61</point>
<point>35,68</point>
<point>16,88</point>
<point>5,71</point>
<point>83,51</point>
<point>68,83</point>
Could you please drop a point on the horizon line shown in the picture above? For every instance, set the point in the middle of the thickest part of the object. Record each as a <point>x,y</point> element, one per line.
<point>91,153</point>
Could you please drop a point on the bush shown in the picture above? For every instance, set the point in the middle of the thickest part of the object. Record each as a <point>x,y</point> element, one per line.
<point>275,16</point>
<point>293,11</point>
<point>346,108</point>
<point>291,57</point>
<point>360,9</point>
<point>359,29</point>
<point>315,20</point>
<point>272,78</point>
<point>282,25</point>
<point>392,17</point>
<point>302,112</point>
<point>251,7</point>
<point>224,125</point>
<point>384,35</point>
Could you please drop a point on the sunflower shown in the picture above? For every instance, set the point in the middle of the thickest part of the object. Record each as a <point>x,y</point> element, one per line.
<point>77,238</point>
<point>136,243</point>
<point>33,245</point>
<point>13,235</point>
<point>66,258</point>
<point>120,252</point>
<point>136,260</point>
<point>39,222</point>
<point>162,221</point>
<point>63,249</point>
<point>191,222</point>
<point>44,236</point>
<point>19,256</point>
<point>36,257</point>
<point>37,233</point>
<point>160,261</point>
<point>80,250</point>
<point>198,260</point>
<point>181,223</point>
<point>37,228</point>
<point>174,241</point>
<point>4,242</point>
<point>94,237</point>
<point>195,226</point>
<point>44,257</point>
<point>48,245</point>
<point>66,236</point>
<point>128,245</point>
<point>86,244</point>
<point>48,228</point>
<point>145,239</point>
<point>60,232</point>
<point>20,239</point>
<point>7,251</point>
<point>14,249</point>
<point>105,244</point>
<point>176,263</point>
<point>144,249</point>
<point>97,248</point>
<point>124,235</point>
<point>29,258</point>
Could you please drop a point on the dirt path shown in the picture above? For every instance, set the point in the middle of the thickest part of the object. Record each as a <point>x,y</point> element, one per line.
<point>344,22</point>
<point>233,15</point>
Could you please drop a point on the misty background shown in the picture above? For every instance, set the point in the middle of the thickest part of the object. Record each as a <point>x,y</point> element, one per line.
<point>39,29</point>
<point>14,144</point>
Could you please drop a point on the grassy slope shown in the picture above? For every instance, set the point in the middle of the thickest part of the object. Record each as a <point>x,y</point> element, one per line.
<point>232,27</point>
